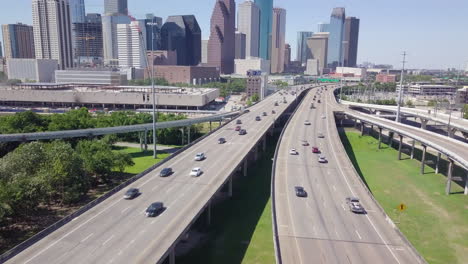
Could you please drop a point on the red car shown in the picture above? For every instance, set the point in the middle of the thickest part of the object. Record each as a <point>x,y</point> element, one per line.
<point>315,150</point>
<point>238,128</point>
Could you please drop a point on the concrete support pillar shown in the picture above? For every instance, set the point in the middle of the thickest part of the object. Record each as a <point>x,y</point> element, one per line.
<point>146,139</point>
<point>219,122</point>
<point>399,147</point>
<point>355,123</point>
<point>341,122</point>
<point>466,183</point>
<point>188,135</point>
<point>380,137</point>
<point>424,123</point>
<point>245,167</point>
<point>230,186</point>
<point>412,149</point>
<point>264,143</point>
<point>390,139</point>
<point>437,163</point>
<point>140,135</point>
<point>451,132</point>
<point>363,126</point>
<point>423,159</point>
<point>210,127</point>
<point>449,177</point>
<point>172,256</point>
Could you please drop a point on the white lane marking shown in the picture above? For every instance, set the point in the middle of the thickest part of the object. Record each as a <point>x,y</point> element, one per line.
<point>336,231</point>
<point>86,238</point>
<point>107,241</point>
<point>343,207</point>
<point>133,241</point>
<point>120,252</point>
<point>154,188</point>
<point>123,211</point>
<point>284,226</point>
<point>154,221</point>
<point>67,234</point>
<point>112,260</point>
<point>334,188</point>
<point>358,234</point>
<point>315,230</point>
<point>75,218</point>
<point>349,187</point>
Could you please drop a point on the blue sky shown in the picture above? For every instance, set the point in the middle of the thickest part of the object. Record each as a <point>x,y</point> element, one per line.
<point>433,32</point>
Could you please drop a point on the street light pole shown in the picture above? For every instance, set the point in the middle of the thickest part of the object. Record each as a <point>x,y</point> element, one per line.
<point>398,117</point>
<point>155,155</point>
<point>342,68</point>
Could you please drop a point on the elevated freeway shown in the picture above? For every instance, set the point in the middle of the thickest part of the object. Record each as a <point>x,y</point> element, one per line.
<point>117,231</point>
<point>320,228</point>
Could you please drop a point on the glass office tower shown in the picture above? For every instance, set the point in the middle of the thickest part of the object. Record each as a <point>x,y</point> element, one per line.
<point>303,52</point>
<point>335,42</point>
<point>266,13</point>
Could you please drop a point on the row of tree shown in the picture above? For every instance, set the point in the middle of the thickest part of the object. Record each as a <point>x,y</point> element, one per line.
<point>54,173</point>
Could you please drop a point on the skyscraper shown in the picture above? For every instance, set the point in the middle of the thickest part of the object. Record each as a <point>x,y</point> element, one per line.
<point>183,35</point>
<point>278,40</point>
<point>19,41</point>
<point>132,49</point>
<point>113,7</point>
<point>248,23</point>
<point>52,31</point>
<point>77,11</point>
<point>287,55</point>
<point>335,42</point>
<point>302,50</point>
<point>266,12</point>
<point>323,27</point>
<point>109,36</point>
<point>240,45</point>
<point>318,46</point>
<point>153,26</point>
<point>221,44</point>
<point>88,44</point>
<point>351,38</point>
<point>1,50</point>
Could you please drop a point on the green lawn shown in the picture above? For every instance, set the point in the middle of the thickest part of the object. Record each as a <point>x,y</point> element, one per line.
<point>143,160</point>
<point>436,224</point>
<point>241,228</point>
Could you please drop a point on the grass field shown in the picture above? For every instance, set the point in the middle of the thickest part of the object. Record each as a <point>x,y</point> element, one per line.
<point>436,224</point>
<point>241,229</point>
<point>143,160</point>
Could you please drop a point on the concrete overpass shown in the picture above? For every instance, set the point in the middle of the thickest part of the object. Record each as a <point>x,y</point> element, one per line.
<point>117,231</point>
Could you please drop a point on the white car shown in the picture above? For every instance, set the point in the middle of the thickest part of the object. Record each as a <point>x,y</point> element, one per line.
<point>322,159</point>
<point>307,123</point>
<point>195,172</point>
<point>293,152</point>
<point>324,117</point>
<point>200,156</point>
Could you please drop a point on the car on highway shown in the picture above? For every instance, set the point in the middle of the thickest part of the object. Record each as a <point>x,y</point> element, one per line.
<point>239,122</point>
<point>293,152</point>
<point>324,117</point>
<point>238,128</point>
<point>221,140</point>
<point>195,172</point>
<point>318,101</point>
<point>273,112</point>
<point>322,159</point>
<point>315,150</point>
<point>131,193</point>
<point>276,103</point>
<point>242,132</point>
<point>307,123</point>
<point>305,143</point>
<point>154,209</point>
<point>300,192</point>
<point>320,135</point>
<point>165,172</point>
<point>354,205</point>
<point>264,114</point>
<point>257,118</point>
<point>200,156</point>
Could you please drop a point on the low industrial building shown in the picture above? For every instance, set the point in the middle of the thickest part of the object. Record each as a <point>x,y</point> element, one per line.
<point>126,97</point>
<point>431,89</point>
<point>386,78</point>
<point>32,70</point>
<point>162,57</point>
<point>90,76</point>
<point>462,95</point>
<point>242,66</point>
<point>195,75</point>
<point>350,73</point>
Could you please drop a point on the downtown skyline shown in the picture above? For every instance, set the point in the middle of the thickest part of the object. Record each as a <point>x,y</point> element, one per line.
<point>422,19</point>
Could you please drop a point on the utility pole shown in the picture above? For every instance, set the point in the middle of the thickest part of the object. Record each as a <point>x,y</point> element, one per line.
<point>398,117</point>
<point>342,68</point>
<point>155,154</point>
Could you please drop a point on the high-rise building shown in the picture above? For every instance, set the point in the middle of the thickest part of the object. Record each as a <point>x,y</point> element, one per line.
<point>318,46</point>
<point>88,39</point>
<point>52,31</point>
<point>109,37</point>
<point>115,7</point>
<point>77,11</point>
<point>131,47</point>
<point>287,55</point>
<point>183,35</point>
<point>1,50</point>
<point>18,40</point>
<point>204,51</point>
<point>248,23</point>
<point>302,50</point>
<point>351,39</point>
<point>240,45</point>
<point>266,12</point>
<point>278,40</point>
<point>335,42</point>
<point>323,27</point>
<point>221,44</point>
<point>153,26</point>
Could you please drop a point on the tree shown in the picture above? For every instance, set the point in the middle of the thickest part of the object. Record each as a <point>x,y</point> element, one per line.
<point>465,111</point>
<point>255,98</point>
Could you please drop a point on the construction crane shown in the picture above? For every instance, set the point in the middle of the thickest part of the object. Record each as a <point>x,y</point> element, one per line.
<point>86,38</point>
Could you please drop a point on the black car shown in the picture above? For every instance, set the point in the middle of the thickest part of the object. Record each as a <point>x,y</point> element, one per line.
<point>239,122</point>
<point>246,111</point>
<point>131,193</point>
<point>154,209</point>
<point>264,114</point>
<point>221,140</point>
<point>242,132</point>
<point>258,118</point>
<point>165,172</point>
<point>300,192</point>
